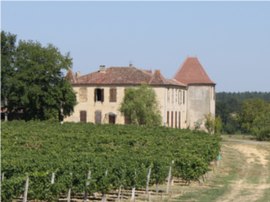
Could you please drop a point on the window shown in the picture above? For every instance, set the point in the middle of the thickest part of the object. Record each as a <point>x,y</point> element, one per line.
<point>176,96</point>
<point>172,96</point>
<point>168,96</point>
<point>83,94</point>
<point>83,116</point>
<point>112,118</point>
<point>184,97</point>
<point>168,118</point>
<point>113,95</point>
<point>175,119</point>
<point>172,119</point>
<point>98,115</point>
<point>179,119</point>
<point>181,96</point>
<point>99,95</point>
<point>127,120</point>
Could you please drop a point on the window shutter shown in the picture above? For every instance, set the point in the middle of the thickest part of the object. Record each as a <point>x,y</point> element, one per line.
<point>113,94</point>
<point>95,95</point>
<point>175,117</point>
<point>168,118</point>
<point>172,119</point>
<point>102,95</point>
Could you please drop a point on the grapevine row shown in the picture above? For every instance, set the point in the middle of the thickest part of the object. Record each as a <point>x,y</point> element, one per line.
<point>116,155</point>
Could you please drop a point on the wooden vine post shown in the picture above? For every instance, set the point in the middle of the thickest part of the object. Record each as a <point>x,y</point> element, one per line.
<point>26,189</point>
<point>133,190</point>
<point>69,190</point>
<point>148,180</point>
<point>86,185</point>
<point>169,178</point>
<point>53,178</point>
<point>119,197</point>
<point>104,194</point>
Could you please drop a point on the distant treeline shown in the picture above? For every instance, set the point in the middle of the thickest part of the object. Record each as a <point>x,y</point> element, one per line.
<point>230,106</point>
<point>240,96</point>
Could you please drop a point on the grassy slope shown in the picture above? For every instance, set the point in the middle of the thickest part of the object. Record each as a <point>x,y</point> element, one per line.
<point>232,168</point>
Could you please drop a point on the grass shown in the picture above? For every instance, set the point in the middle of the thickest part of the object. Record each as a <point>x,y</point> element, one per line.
<point>219,182</point>
<point>232,168</point>
<point>266,196</point>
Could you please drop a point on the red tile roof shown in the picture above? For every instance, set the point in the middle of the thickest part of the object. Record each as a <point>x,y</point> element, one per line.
<point>192,72</point>
<point>123,76</point>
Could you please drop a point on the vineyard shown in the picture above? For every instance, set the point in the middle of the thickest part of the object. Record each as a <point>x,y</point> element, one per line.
<point>74,158</point>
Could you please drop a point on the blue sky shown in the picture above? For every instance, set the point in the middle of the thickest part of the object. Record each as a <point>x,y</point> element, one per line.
<point>231,39</point>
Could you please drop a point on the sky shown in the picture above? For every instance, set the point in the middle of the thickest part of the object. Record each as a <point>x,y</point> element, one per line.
<point>231,39</point>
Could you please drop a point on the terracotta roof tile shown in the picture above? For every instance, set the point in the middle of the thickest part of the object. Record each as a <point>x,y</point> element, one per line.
<point>192,72</point>
<point>124,75</point>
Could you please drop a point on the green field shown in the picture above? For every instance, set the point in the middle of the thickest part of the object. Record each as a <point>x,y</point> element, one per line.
<point>116,155</point>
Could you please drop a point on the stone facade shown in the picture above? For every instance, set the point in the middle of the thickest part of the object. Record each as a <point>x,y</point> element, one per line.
<point>172,105</point>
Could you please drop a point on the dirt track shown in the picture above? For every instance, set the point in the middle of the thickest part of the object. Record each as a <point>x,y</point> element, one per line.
<point>252,179</point>
<point>243,175</point>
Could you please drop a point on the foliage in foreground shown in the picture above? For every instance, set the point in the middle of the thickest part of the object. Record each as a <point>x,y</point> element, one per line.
<point>33,83</point>
<point>124,152</point>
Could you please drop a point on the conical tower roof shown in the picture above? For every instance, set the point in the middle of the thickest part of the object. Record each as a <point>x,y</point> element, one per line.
<point>192,72</point>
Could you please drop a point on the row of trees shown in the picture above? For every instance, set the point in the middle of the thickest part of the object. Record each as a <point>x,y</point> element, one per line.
<point>32,80</point>
<point>246,113</point>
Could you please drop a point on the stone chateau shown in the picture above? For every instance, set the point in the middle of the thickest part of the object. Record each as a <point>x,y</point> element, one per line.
<point>183,100</point>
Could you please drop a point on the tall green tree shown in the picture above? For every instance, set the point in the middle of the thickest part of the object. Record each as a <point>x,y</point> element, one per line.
<point>38,88</point>
<point>140,106</point>
<point>8,50</point>
<point>255,118</point>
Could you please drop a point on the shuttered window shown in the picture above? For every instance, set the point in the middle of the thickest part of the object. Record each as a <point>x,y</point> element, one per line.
<point>99,95</point>
<point>175,119</point>
<point>168,118</point>
<point>184,97</point>
<point>98,116</point>
<point>83,115</point>
<point>82,94</point>
<point>172,119</point>
<point>113,95</point>
<point>179,119</point>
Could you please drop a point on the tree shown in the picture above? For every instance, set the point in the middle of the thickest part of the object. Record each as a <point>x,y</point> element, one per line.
<point>218,125</point>
<point>140,106</point>
<point>8,48</point>
<point>209,123</point>
<point>228,107</point>
<point>213,124</point>
<point>255,118</point>
<point>37,87</point>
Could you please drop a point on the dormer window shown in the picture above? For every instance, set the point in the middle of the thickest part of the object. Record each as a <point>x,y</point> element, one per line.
<point>99,95</point>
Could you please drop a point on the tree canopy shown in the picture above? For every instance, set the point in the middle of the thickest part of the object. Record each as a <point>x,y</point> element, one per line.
<point>140,106</point>
<point>33,79</point>
<point>255,118</point>
<point>229,107</point>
